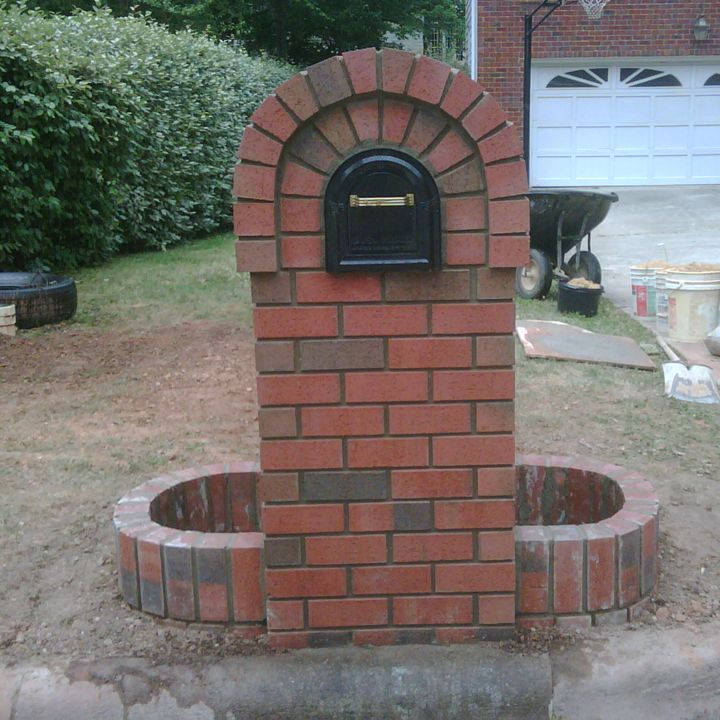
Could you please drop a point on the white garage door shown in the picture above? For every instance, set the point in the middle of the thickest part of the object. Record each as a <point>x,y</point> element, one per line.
<point>634,123</point>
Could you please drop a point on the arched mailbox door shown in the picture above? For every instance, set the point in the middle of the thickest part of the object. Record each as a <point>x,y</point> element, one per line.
<point>382,212</point>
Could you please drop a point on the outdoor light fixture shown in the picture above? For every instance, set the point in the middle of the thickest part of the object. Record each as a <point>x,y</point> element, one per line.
<point>701,28</point>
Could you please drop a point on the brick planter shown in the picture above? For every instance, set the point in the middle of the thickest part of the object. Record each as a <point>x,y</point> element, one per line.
<point>586,542</point>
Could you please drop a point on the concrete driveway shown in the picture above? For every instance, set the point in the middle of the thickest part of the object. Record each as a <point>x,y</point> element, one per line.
<point>686,219</point>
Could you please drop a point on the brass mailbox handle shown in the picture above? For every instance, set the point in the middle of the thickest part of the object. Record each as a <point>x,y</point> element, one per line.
<point>404,200</point>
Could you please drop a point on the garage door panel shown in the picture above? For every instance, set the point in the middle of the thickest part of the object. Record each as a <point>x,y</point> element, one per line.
<point>671,109</point>
<point>633,110</point>
<point>592,168</point>
<point>671,138</point>
<point>553,110</point>
<point>632,168</point>
<point>705,167</point>
<point>555,139</point>
<point>593,110</point>
<point>632,139</point>
<point>553,170</point>
<point>706,136</point>
<point>670,167</point>
<point>593,139</point>
<point>707,108</point>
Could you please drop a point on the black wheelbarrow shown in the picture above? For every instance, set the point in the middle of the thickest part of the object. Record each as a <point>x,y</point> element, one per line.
<point>559,221</point>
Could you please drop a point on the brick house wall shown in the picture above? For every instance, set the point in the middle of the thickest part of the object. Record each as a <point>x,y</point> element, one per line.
<point>628,28</point>
<point>386,399</point>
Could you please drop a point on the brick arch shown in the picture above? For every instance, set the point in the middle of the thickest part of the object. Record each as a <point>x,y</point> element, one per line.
<point>389,98</point>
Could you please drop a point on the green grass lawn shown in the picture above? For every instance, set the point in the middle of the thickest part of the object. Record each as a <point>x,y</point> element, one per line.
<point>197,281</point>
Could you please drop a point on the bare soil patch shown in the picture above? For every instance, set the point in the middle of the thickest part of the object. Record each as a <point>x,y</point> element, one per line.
<point>90,413</point>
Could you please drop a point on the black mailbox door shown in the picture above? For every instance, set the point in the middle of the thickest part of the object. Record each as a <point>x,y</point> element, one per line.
<point>382,212</point>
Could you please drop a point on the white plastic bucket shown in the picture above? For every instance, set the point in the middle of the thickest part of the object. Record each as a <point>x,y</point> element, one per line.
<point>693,299</point>
<point>661,302</point>
<point>642,281</point>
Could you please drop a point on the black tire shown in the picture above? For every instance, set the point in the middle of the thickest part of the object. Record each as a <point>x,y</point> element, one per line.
<point>39,298</point>
<point>533,280</point>
<point>588,268</point>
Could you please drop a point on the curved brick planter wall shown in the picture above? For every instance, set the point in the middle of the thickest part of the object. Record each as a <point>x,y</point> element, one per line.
<point>586,541</point>
<point>188,547</point>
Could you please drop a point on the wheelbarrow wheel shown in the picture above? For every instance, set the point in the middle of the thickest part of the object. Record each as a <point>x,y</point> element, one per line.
<point>533,280</point>
<point>588,267</point>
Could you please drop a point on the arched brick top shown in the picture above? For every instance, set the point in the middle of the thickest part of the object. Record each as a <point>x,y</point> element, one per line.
<point>389,98</point>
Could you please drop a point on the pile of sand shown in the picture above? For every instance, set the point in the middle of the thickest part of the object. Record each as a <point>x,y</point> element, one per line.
<point>581,282</point>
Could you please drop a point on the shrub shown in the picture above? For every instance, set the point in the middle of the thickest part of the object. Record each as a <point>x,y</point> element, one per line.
<point>116,134</point>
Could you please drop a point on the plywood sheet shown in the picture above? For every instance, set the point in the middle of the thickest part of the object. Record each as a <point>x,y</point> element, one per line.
<point>560,341</point>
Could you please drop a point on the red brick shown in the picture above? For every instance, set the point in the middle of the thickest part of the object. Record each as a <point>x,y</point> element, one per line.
<point>343,421</point>
<point>246,565</point>
<point>320,287</point>
<point>567,570</point>
<point>335,126</point>
<point>509,216</point>
<point>473,385</point>
<point>289,640</point>
<point>212,579</point>
<point>433,610</point>
<point>506,180</point>
<point>371,517</point>
<point>285,615</point>
<point>301,252</point>
<point>538,622</point>
<point>346,550</point>
<point>300,454</point>
<point>484,117</point>
<point>391,580</point>
<point>464,213</point>
<point>396,65</point>
<point>365,116</point>
<point>270,288</point>
<point>463,92</point>
<point>310,146</point>
<point>329,81</point>
<point>628,559</point>
<point>375,638</point>
<point>429,419</point>
<point>451,150</point>
<point>428,80</point>
<point>299,180</point>
<point>254,219</point>
<point>497,609</point>
<point>465,248</point>
<point>259,148</point>
<point>466,178</point>
<point>480,318</point>
<point>501,145</point>
<point>493,482</point>
<point>495,283</point>
<point>277,422</point>
<point>497,545</point>
<point>443,285</point>
<point>475,577</point>
<point>362,68</point>
<point>533,560</point>
<point>574,622</point>
<point>274,356</point>
<point>495,417</point>
<point>300,215</point>
<point>213,598</point>
<point>302,519</point>
<point>432,547</point>
<point>256,182</point>
<point>497,350</point>
<point>278,487</point>
<point>296,94</point>
<point>396,117</point>
<point>272,117</point>
<point>256,256</point>
<point>298,389</point>
<point>430,352</point>
<point>385,320</point>
<point>416,484</point>
<point>509,250</point>
<point>348,613</point>
<point>387,452</point>
<point>425,128</point>
<point>276,323</point>
<point>470,514</point>
<point>386,387</point>
<point>475,450</point>
<point>306,582</point>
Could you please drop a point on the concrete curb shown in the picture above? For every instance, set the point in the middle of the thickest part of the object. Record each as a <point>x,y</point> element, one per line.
<point>411,682</point>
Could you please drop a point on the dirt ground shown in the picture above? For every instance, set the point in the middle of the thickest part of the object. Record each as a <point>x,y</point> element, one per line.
<point>89,414</point>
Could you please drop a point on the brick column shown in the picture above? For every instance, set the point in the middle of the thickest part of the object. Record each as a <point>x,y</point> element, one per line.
<point>386,399</point>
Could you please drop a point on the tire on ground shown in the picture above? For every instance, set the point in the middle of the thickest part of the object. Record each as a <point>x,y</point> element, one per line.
<point>39,298</point>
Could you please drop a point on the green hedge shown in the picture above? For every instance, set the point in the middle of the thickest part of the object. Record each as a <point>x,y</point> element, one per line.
<point>115,134</point>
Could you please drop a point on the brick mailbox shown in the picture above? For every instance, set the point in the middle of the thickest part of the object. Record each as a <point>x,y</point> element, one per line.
<point>380,210</point>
